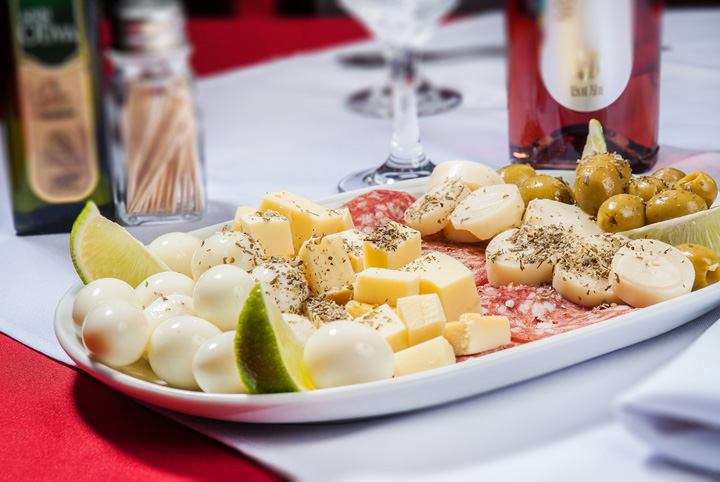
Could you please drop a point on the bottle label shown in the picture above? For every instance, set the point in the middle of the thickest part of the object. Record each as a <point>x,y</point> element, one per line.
<point>55,99</point>
<point>586,55</point>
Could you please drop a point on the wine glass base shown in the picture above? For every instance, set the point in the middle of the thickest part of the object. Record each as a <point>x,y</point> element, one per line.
<point>377,101</point>
<point>383,175</point>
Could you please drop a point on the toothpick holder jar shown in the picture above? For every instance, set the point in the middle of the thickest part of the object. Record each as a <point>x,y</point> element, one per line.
<point>158,164</point>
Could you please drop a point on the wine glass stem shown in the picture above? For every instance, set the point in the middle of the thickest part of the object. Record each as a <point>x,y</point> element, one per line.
<point>406,152</point>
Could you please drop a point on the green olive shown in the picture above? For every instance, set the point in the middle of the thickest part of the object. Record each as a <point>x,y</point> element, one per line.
<point>645,187</point>
<point>671,204</point>
<point>670,175</point>
<point>701,184</point>
<point>609,159</point>
<point>544,186</point>
<point>705,262</point>
<point>594,183</point>
<point>621,212</point>
<point>516,173</point>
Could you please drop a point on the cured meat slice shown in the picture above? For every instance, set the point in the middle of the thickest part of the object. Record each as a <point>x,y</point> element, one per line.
<point>377,208</point>
<point>536,312</point>
<point>471,255</point>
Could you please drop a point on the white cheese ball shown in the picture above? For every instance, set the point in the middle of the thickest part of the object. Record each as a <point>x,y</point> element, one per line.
<point>214,365</point>
<point>227,247</point>
<point>283,283</point>
<point>97,291</point>
<point>116,332</point>
<point>173,345</point>
<point>345,352</point>
<point>176,250</point>
<point>220,294</point>
<point>164,284</point>
<point>473,174</point>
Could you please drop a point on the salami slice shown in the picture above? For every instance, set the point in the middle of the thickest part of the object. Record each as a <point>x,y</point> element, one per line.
<point>377,208</point>
<point>536,312</point>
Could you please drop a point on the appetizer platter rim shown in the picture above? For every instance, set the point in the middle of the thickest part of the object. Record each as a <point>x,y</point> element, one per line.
<point>410,392</point>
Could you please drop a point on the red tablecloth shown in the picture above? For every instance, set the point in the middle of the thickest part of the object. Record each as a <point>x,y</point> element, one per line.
<point>56,423</point>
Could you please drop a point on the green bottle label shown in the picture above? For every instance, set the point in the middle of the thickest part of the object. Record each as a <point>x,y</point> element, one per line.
<point>47,30</point>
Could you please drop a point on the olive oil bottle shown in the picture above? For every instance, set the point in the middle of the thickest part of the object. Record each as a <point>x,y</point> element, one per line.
<point>52,110</point>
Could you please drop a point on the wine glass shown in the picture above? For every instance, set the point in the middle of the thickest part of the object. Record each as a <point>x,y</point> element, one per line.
<point>377,101</point>
<point>403,25</point>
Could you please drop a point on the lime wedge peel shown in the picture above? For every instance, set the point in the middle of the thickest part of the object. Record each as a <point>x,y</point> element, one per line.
<point>269,355</point>
<point>595,143</point>
<point>701,228</point>
<point>101,248</point>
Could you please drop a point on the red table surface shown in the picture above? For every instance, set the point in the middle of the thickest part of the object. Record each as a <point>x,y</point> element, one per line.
<point>56,422</point>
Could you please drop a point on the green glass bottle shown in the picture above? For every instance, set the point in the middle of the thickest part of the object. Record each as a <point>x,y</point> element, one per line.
<point>53,115</point>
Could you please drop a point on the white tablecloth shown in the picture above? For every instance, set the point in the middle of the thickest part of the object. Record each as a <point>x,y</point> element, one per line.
<point>283,125</point>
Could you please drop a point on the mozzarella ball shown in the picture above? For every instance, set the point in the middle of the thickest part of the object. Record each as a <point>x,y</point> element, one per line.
<point>227,247</point>
<point>284,283</point>
<point>164,284</point>
<point>220,295</point>
<point>167,307</point>
<point>173,345</point>
<point>474,174</point>
<point>345,352</point>
<point>116,332</point>
<point>97,291</point>
<point>214,365</point>
<point>176,250</point>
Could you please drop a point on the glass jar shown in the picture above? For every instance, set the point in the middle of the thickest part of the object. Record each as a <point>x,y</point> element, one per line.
<point>158,164</point>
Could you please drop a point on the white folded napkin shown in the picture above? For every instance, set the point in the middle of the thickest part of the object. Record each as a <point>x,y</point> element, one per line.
<point>677,410</point>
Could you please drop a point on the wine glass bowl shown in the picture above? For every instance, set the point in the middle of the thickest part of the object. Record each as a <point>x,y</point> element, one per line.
<point>403,26</point>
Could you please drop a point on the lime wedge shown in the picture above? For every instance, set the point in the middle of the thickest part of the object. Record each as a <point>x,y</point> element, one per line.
<point>595,143</point>
<point>101,248</point>
<point>701,228</point>
<point>269,355</point>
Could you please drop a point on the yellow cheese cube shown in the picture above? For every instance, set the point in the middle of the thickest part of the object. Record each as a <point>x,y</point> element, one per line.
<point>434,353</point>
<point>357,309</point>
<point>347,220</point>
<point>391,246</point>
<point>475,333</point>
<point>450,279</point>
<point>271,229</point>
<point>326,264</point>
<point>353,239</point>
<point>238,212</point>
<point>384,320</point>
<point>378,286</point>
<point>307,218</point>
<point>423,316</point>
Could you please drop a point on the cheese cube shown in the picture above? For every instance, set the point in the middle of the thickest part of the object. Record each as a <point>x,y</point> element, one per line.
<point>391,246</point>
<point>356,308</point>
<point>434,353</point>
<point>307,218</point>
<point>384,320</point>
<point>450,279</point>
<point>475,333</point>
<point>378,286</point>
<point>347,221</point>
<point>238,212</point>
<point>423,316</point>
<point>326,264</point>
<point>271,229</point>
<point>353,239</point>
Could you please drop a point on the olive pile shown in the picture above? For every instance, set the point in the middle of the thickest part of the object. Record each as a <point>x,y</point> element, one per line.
<point>605,188</point>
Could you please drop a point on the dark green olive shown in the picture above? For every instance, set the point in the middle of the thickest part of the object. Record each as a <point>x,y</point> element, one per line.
<point>544,186</point>
<point>594,183</point>
<point>705,262</point>
<point>516,173</point>
<point>608,159</point>
<point>645,187</point>
<point>701,184</point>
<point>670,175</point>
<point>621,212</point>
<point>671,204</point>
